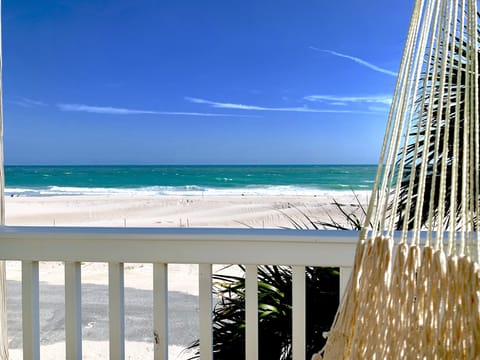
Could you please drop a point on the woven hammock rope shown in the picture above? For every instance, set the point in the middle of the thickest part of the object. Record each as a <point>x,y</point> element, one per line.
<point>414,292</point>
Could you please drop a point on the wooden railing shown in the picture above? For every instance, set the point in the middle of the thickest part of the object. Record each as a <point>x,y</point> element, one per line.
<point>160,246</point>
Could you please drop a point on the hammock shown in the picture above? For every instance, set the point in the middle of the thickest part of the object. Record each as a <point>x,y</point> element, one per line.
<point>414,292</point>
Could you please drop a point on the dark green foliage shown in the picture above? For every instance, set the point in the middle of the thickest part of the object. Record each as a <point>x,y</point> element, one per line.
<point>274,312</point>
<point>441,103</point>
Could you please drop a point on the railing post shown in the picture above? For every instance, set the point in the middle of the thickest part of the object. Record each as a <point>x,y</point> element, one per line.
<point>160,311</point>
<point>298,313</point>
<point>73,310</point>
<point>116,301</point>
<point>205,300</point>
<point>251,312</point>
<point>30,310</point>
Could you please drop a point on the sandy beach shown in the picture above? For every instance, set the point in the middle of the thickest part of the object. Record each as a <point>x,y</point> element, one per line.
<point>137,211</point>
<point>173,211</point>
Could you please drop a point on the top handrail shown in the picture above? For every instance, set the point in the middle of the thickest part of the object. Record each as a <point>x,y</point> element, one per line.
<point>179,245</point>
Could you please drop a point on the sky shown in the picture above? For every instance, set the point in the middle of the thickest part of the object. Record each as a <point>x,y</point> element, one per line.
<point>199,82</point>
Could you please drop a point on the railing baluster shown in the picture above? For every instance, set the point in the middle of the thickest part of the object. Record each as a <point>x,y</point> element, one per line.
<point>251,312</point>
<point>116,299</point>
<point>73,310</point>
<point>298,312</point>
<point>159,247</point>
<point>205,300</point>
<point>345,273</point>
<point>160,311</point>
<point>30,310</point>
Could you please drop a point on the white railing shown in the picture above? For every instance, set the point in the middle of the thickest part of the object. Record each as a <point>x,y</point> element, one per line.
<point>160,246</point>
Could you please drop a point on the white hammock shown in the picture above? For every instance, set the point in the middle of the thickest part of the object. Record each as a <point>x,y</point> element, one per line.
<point>415,293</point>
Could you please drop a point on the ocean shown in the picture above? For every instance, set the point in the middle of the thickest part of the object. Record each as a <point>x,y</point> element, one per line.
<point>188,180</point>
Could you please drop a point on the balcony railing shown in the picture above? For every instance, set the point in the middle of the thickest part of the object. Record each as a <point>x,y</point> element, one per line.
<point>160,247</point>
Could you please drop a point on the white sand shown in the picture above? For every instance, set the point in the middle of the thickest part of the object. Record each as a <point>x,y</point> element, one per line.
<point>134,211</point>
<point>169,211</point>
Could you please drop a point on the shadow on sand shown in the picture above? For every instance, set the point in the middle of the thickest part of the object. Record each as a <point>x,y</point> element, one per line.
<point>182,309</point>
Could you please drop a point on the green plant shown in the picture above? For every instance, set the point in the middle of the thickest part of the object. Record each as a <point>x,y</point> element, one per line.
<point>274,312</point>
<point>275,298</point>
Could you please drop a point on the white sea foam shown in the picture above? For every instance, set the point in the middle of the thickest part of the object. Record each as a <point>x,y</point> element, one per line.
<point>190,190</point>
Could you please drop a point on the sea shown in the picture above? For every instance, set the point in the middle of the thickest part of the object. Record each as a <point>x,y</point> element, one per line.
<point>194,180</point>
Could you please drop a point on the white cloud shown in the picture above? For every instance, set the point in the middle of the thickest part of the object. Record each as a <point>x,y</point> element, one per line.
<point>335,100</point>
<point>123,111</point>
<point>101,109</point>
<point>26,102</point>
<point>222,105</point>
<point>358,61</point>
<point>371,104</point>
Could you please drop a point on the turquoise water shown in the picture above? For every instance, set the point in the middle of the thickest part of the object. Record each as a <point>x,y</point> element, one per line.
<point>187,180</point>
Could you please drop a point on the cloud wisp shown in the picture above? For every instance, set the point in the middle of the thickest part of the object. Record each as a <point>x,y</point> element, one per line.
<point>124,111</point>
<point>26,102</point>
<point>102,109</point>
<point>222,105</point>
<point>358,61</point>
<point>339,104</point>
<point>373,103</point>
<point>343,100</point>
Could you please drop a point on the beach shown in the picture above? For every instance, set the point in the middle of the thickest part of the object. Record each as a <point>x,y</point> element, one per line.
<point>232,211</point>
<point>226,196</point>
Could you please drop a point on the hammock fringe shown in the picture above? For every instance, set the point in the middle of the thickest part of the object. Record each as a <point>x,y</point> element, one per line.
<point>407,302</point>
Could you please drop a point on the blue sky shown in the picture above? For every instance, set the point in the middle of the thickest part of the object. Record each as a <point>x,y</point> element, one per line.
<point>199,82</point>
